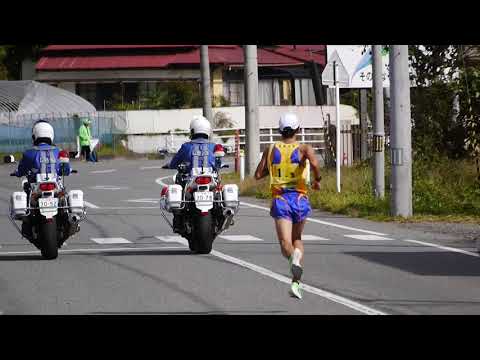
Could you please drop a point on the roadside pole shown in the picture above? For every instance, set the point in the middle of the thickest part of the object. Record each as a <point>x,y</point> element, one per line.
<point>205,78</point>
<point>252,136</point>
<point>401,132</point>
<point>378,118</point>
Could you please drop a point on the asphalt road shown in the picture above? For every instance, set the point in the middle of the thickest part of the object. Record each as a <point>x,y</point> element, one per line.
<point>126,260</point>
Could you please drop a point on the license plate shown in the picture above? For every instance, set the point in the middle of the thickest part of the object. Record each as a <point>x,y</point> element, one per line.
<point>48,204</point>
<point>206,196</point>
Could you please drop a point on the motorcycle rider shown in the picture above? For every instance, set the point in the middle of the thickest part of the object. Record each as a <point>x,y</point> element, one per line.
<point>43,157</point>
<point>196,151</point>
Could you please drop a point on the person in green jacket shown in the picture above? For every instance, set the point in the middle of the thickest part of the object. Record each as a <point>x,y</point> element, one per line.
<point>85,138</point>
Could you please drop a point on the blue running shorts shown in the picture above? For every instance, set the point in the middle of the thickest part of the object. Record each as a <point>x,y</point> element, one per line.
<point>292,206</point>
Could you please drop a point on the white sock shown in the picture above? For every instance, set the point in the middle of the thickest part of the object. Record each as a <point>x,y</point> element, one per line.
<point>297,255</point>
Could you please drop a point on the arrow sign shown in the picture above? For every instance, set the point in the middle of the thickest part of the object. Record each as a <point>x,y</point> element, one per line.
<point>328,74</point>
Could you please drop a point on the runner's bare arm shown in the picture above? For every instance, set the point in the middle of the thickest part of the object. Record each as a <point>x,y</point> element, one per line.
<point>262,168</point>
<point>309,154</point>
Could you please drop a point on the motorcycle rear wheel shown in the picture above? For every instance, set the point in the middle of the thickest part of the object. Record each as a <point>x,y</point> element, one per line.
<point>48,239</point>
<point>202,234</point>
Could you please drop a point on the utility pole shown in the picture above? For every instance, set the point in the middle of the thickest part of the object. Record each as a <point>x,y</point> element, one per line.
<point>378,123</point>
<point>363,125</point>
<point>401,132</point>
<point>205,78</point>
<point>251,108</point>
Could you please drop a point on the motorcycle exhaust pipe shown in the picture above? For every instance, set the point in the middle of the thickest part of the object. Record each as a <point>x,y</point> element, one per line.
<point>227,212</point>
<point>73,219</point>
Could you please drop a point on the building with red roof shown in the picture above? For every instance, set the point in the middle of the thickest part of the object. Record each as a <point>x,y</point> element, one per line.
<point>103,73</point>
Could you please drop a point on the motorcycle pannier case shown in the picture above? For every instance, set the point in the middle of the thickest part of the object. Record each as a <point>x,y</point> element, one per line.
<point>75,201</point>
<point>230,195</point>
<point>19,204</point>
<point>174,196</point>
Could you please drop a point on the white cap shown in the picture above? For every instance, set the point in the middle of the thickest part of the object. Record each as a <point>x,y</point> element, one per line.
<point>288,120</point>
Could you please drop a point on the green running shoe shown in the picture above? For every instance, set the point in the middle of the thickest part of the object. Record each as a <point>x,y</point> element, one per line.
<point>295,290</point>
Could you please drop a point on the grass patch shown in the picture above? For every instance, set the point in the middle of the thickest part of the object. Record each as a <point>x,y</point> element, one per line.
<point>445,190</point>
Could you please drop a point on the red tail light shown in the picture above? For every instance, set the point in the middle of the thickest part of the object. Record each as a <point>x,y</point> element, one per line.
<point>164,190</point>
<point>63,156</point>
<point>47,186</point>
<point>203,180</point>
<point>219,151</point>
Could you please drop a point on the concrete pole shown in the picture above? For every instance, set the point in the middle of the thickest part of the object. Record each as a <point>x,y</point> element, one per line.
<point>205,78</point>
<point>378,123</point>
<point>401,132</point>
<point>252,136</point>
<point>363,125</point>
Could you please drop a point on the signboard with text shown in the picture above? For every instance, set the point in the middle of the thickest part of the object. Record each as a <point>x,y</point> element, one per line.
<point>357,60</point>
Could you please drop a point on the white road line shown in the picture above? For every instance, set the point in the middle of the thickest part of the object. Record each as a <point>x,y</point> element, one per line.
<point>160,182</point>
<point>153,201</point>
<point>318,221</point>
<point>368,237</point>
<point>322,293</point>
<point>240,238</point>
<point>174,239</point>
<point>111,241</point>
<point>103,171</point>
<point>313,238</point>
<point>90,205</point>
<point>99,251</point>
<point>150,167</point>
<point>447,248</point>
<point>108,187</point>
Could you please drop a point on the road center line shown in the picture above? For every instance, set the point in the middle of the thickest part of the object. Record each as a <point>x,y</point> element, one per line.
<point>447,248</point>
<point>90,205</point>
<point>103,171</point>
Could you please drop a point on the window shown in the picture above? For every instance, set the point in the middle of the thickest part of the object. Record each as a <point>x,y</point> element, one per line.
<point>88,92</point>
<point>236,93</point>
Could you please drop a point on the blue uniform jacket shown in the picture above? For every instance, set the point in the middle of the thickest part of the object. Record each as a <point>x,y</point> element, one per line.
<point>185,155</point>
<point>30,163</point>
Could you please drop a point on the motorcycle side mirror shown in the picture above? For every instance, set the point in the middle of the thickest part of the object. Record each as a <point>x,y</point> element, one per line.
<point>74,171</point>
<point>225,166</point>
<point>13,174</point>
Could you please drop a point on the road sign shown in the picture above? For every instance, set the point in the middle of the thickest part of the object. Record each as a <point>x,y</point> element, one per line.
<point>328,75</point>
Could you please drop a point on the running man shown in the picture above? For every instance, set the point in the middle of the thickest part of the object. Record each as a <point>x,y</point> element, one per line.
<point>285,162</point>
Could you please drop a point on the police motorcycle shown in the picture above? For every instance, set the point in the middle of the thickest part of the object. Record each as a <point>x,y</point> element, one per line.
<point>203,205</point>
<point>46,207</point>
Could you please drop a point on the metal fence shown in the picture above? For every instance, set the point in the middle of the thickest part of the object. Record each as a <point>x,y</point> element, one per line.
<point>16,129</point>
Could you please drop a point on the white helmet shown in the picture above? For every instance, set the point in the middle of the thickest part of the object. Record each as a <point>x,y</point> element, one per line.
<point>200,125</point>
<point>42,129</point>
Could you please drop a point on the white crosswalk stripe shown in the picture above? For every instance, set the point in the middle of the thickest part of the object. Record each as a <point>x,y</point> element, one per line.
<point>175,239</point>
<point>240,238</point>
<point>313,238</point>
<point>368,237</point>
<point>111,241</point>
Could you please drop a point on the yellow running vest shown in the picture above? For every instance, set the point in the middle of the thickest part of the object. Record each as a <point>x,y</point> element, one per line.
<point>286,171</point>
